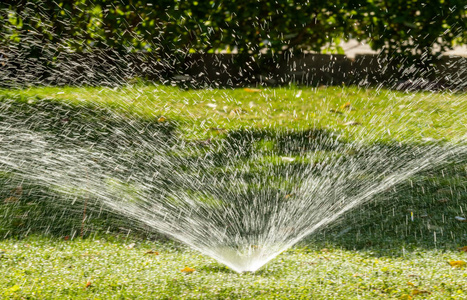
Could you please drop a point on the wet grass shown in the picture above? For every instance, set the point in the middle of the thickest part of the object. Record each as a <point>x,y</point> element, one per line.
<point>106,268</point>
<point>397,246</point>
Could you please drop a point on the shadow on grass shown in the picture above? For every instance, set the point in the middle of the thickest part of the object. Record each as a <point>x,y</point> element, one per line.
<point>29,207</point>
<point>86,123</point>
<point>423,212</point>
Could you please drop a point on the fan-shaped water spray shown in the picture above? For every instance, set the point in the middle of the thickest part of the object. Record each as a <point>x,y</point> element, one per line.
<point>232,198</point>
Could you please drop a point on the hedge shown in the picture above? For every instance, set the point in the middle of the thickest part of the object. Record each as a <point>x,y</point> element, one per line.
<point>253,27</point>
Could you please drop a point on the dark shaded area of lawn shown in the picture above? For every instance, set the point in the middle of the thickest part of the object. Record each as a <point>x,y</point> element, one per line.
<point>421,212</point>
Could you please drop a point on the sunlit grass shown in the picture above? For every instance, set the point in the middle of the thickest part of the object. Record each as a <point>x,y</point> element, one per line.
<point>357,113</point>
<point>99,268</point>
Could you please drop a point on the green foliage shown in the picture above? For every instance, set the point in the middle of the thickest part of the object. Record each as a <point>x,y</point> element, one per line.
<point>411,26</point>
<point>258,28</point>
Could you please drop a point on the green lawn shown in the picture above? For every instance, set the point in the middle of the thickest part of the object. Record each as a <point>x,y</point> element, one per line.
<point>398,246</point>
<point>378,114</point>
<point>38,267</point>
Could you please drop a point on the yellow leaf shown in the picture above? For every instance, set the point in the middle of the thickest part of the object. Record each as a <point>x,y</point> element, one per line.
<point>345,105</point>
<point>14,288</point>
<point>249,90</point>
<point>406,297</point>
<point>410,283</point>
<point>188,270</point>
<point>457,263</point>
<point>161,119</point>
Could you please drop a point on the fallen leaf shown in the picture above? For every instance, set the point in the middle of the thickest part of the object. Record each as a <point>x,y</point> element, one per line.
<point>18,191</point>
<point>457,263</point>
<point>66,238</point>
<point>88,284</point>
<point>11,200</point>
<point>14,288</point>
<point>352,123</point>
<point>463,249</point>
<point>461,219</point>
<point>289,196</point>
<point>410,283</point>
<point>161,119</point>
<point>345,105</point>
<point>419,292</point>
<point>406,297</point>
<point>152,252</point>
<point>250,90</point>
<point>187,270</point>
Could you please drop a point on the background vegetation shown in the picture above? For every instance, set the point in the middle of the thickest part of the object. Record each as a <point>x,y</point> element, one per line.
<point>171,27</point>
